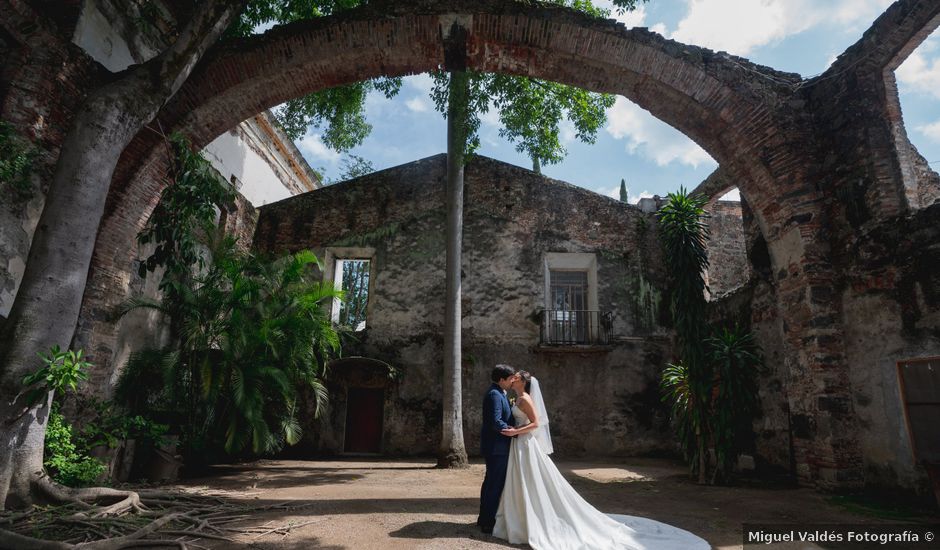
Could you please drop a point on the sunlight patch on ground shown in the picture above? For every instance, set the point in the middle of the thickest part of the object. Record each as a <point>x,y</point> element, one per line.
<point>610,475</point>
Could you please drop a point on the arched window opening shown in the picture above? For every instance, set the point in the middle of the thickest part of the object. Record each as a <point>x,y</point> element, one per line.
<point>913,102</point>
<point>727,245</point>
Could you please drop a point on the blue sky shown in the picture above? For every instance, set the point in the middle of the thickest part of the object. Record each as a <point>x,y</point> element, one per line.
<point>802,36</point>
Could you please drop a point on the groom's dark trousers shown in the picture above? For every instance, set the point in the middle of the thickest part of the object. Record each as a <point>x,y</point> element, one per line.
<point>494,447</point>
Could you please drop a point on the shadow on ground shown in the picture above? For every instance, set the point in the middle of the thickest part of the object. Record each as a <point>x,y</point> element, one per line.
<point>410,504</point>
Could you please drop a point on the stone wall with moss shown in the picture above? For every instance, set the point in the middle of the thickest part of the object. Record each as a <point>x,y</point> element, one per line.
<point>603,400</point>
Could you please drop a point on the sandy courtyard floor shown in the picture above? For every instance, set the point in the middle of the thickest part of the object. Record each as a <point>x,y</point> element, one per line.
<point>362,503</point>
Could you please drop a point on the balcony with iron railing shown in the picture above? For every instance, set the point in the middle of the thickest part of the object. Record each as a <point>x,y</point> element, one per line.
<point>575,328</point>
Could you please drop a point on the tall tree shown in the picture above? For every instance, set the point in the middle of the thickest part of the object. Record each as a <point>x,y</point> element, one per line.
<point>46,307</point>
<point>530,111</point>
<point>47,304</point>
<point>624,194</point>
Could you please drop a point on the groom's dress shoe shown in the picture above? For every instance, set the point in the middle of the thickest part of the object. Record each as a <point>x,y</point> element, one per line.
<point>487,530</point>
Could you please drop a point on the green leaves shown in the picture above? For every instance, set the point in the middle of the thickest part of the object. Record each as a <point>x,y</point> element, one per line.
<point>254,337</point>
<point>61,372</point>
<point>735,358</point>
<point>683,234</point>
<point>185,217</point>
<point>16,162</point>
<point>64,462</point>
<point>338,111</point>
<point>530,111</point>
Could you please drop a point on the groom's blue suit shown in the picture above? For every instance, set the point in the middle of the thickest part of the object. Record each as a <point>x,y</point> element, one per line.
<point>494,447</point>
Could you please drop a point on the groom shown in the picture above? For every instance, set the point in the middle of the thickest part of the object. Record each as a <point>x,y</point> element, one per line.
<point>494,446</point>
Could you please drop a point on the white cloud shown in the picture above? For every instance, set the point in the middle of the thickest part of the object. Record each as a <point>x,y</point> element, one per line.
<point>660,28</point>
<point>567,132</point>
<point>634,18</point>
<point>643,195</point>
<point>421,83</point>
<point>614,193</point>
<point>932,131</point>
<point>650,137</point>
<point>418,104</point>
<point>490,117</point>
<point>717,24</point>
<point>857,15</point>
<point>312,147</point>
<point>741,26</point>
<point>920,72</point>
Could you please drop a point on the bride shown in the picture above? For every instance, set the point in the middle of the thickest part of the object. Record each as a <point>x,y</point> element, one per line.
<point>540,508</point>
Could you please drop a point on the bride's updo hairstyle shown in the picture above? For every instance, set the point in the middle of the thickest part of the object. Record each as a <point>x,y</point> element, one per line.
<point>528,379</point>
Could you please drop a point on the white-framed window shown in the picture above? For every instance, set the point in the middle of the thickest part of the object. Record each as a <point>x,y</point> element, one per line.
<point>350,270</point>
<point>570,297</point>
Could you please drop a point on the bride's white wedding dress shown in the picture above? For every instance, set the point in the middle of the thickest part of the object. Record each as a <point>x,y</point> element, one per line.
<point>541,508</point>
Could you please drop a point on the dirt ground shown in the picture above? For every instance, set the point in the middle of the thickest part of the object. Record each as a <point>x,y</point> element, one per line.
<point>365,503</point>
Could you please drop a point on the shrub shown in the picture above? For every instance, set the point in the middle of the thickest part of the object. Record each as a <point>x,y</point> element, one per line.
<point>63,460</point>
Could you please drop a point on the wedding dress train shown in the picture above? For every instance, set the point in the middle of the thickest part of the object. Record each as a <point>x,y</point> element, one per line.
<point>541,508</point>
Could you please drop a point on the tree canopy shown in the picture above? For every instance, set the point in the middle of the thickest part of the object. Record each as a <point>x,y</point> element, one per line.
<point>337,111</point>
<point>530,110</point>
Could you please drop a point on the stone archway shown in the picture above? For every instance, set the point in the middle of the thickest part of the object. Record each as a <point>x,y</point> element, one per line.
<point>759,124</point>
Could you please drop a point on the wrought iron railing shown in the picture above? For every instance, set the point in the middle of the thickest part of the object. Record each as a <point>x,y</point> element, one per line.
<point>577,327</point>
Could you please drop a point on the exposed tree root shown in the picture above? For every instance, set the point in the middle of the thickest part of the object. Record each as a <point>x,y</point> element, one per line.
<point>111,519</point>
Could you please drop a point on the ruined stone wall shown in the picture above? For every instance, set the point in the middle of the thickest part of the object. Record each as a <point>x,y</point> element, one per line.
<point>727,257</point>
<point>603,400</point>
<point>753,306</point>
<point>884,237</point>
<point>891,304</point>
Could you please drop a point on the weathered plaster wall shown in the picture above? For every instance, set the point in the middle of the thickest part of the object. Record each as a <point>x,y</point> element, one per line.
<point>260,161</point>
<point>891,312</point>
<point>727,257</point>
<point>604,401</point>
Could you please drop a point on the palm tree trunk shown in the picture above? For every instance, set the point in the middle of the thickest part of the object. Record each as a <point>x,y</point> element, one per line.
<point>45,311</point>
<point>452,453</point>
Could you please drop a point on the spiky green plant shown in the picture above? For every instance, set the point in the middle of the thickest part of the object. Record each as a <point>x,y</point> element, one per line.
<point>735,358</point>
<point>688,416</point>
<point>684,234</point>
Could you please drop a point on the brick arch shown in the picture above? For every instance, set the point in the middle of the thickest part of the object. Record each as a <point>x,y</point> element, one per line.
<point>690,88</point>
<point>696,90</point>
<point>741,113</point>
<point>863,81</point>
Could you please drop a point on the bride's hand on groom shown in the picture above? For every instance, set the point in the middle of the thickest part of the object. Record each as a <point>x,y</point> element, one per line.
<point>509,432</point>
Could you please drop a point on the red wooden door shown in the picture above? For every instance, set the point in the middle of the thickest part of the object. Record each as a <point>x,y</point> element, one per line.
<point>364,420</point>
